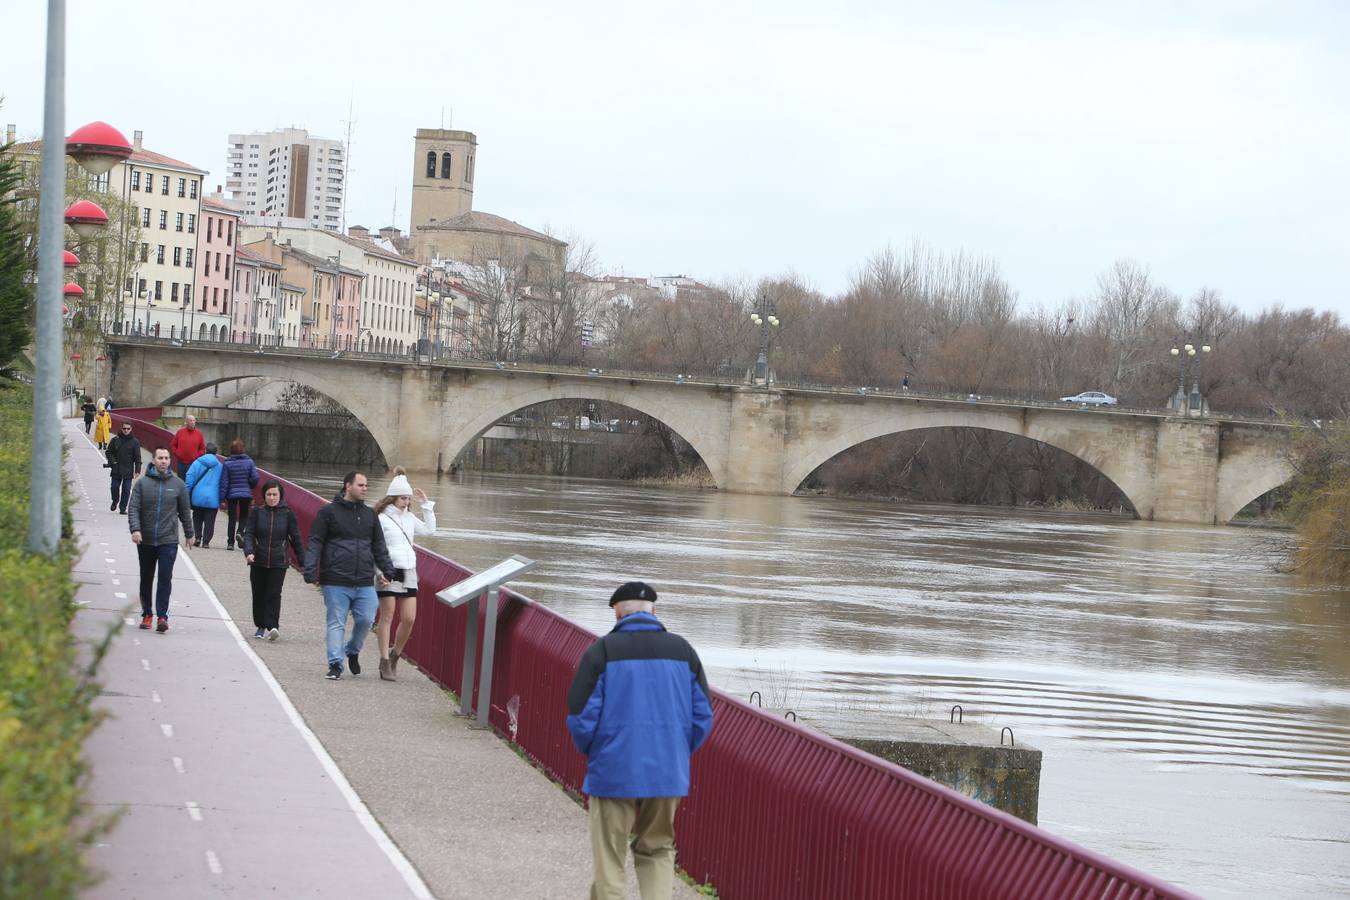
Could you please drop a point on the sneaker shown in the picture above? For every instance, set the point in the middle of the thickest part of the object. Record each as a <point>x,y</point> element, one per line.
<point>272,635</point>
<point>260,633</point>
<point>354,663</point>
<point>163,625</point>
<point>386,671</point>
<point>334,671</point>
<point>146,621</point>
<point>229,546</point>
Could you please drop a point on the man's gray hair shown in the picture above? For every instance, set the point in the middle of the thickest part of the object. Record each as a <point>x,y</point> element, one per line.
<point>628,607</point>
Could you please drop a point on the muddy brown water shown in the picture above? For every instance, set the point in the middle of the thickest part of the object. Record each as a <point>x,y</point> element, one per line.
<point>1192,704</point>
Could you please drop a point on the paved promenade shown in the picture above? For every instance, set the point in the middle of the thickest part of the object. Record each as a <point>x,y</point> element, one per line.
<point>244,773</point>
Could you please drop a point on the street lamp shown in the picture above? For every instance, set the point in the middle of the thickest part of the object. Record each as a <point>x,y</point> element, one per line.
<point>69,260</point>
<point>97,147</point>
<point>86,218</point>
<point>763,316</point>
<point>1188,351</point>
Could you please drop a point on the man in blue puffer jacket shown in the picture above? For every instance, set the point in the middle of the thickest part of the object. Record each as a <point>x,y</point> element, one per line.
<point>639,706</point>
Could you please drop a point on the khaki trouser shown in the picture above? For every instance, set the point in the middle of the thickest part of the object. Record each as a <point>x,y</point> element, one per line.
<point>651,822</point>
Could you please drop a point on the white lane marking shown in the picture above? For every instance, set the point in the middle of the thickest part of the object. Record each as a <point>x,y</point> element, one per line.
<point>117,582</point>
<point>120,595</point>
<point>213,862</point>
<point>131,620</point>
<point>395,856</point>
<point>109,560</point>
<point>178,765</point>
<point>167,729</point>
<point>193,810</point>
<point>145,663</point>
<point>154,697</point>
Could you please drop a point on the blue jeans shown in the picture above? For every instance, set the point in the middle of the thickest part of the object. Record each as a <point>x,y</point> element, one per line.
<point>163,557</point>
<point>341,599</point>
<point>121,492</point>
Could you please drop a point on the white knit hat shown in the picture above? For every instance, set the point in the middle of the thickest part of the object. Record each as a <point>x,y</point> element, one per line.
<point>399,487</point>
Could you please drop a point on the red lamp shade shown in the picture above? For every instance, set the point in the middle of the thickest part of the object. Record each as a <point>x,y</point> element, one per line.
<point>86,217</point>
<point>97,147</point>
<point>70,259</point>
<point>74,356</point>
<point>74,291</point>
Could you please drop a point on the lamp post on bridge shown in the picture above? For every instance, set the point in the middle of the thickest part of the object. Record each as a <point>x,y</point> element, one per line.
<point>1194,405</point>
<point>763,316</point>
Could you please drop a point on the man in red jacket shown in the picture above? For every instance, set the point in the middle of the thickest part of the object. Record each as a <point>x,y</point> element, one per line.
<point>187,445</point>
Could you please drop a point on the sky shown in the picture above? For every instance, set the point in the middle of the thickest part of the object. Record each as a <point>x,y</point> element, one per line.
<point>1209,141</point>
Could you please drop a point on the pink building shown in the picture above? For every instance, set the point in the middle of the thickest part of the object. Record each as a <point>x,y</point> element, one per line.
<point>215,269</point>
<point>347,324</point>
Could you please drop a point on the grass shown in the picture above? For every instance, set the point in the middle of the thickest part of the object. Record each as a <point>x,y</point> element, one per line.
<point>46,696</point>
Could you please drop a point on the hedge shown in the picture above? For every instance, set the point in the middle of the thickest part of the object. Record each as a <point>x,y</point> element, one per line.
<point>45,697</point>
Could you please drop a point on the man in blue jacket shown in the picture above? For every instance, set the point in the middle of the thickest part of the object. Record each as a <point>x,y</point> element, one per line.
<point>638,707</point>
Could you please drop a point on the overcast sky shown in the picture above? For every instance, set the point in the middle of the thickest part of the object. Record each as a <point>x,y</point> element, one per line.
<point>1207,140</point>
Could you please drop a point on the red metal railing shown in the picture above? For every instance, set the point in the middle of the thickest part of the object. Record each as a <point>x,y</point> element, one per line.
<point>775,810</point>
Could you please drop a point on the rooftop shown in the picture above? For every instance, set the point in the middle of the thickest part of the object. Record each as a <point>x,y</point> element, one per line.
<point>489,224</point>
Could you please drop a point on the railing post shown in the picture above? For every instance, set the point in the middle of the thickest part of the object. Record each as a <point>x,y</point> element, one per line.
<point>470,652</point>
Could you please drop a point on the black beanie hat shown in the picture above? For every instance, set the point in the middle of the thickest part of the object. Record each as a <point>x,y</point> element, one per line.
<point>633,590</point>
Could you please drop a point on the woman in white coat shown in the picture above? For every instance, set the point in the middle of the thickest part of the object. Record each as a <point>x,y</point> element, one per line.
<point>400,525</point>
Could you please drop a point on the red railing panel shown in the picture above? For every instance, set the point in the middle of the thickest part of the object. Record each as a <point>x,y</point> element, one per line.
<point>775,809</point>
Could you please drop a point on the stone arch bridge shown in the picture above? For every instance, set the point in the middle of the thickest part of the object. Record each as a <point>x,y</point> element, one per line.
<point>752,439</point>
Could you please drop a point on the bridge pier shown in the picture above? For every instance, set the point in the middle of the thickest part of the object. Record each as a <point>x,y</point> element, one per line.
<point>755,442</point>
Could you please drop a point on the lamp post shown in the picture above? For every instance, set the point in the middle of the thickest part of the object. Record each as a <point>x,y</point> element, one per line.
<point>1188,351</point>
<point>44,520</point>
<point>763,316</point>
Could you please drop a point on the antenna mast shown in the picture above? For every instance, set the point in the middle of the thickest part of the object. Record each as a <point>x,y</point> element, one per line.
<point>347,158</point>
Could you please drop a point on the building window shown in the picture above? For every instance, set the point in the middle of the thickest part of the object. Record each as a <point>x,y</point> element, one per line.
<point>187,258</point>
<point>206,263</point>
<point>140,288</point>
<point>135,181</point>
<point>159,255</point>
<point>187,295</point>
<point>163,220</point>
<point>217,262</point>
<point>177,256</point>
<point>164,185</point>
<point>192,223</point>
<point>159,290</point>
<point>227,267</point>
<point>220,227</point>
<point>229,234</point>
<point>431,163</point>
<point>145,252</point>
<point>178,222</point>
<point>182,187</point>
<point>445,165</point>
<point>149,183</point>
<point>192,189</point>
<point>468,169</point>
<point>207,231</point>
<point>145,217</point>
<point>173,292</point>
<point>225,302</point>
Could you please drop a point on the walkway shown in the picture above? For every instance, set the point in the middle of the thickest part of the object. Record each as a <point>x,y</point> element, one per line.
<point>218,747</point>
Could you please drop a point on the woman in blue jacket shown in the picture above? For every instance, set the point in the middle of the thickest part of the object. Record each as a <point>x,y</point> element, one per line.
<point>203,481</point>
<point>236,487</point>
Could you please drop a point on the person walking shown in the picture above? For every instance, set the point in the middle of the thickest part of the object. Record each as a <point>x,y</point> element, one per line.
<point>346,545</point>
<point>90,410</point>
<point>203,481</point>
<point>236,487</point>
<point>124,464</point>
<point>102,429</point>
<point>639,706</point>
<point>187,444</point>
<point>267,532</point>
<point>400,525</point>
<point>157,499</point>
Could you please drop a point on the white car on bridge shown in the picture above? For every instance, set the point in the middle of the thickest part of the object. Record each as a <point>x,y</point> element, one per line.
<point>1090,398</point>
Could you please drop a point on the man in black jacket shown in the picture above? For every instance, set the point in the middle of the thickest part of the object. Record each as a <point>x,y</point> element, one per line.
<point>124,461</point>
<point>346,543</point>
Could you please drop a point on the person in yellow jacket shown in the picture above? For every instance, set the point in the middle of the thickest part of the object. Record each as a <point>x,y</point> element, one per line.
<point>102,427</point>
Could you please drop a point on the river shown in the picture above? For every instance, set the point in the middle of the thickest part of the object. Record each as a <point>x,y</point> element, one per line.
<point>1192,704</point>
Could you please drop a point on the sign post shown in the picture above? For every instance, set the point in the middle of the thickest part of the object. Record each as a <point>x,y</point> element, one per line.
<point>487,585</point>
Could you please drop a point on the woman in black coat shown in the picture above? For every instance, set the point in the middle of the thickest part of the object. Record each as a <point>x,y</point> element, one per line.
<point>267,531</point>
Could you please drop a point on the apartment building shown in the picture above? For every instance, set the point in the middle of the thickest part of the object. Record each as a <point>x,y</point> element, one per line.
<point>256,315</point>
<point>387,320</point>
<point>329,293</point>
<point>287,175</point>
<point>216,240</point>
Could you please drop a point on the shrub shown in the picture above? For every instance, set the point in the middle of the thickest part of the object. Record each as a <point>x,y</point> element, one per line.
<point>45,700</point>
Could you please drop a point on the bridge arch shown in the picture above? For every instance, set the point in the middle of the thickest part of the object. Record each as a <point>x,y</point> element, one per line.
<point>1099,449</point>
<point>174,385</point>
<point>701,434</point>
